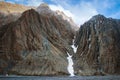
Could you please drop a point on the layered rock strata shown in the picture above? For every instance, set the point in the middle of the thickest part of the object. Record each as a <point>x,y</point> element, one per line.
<point>98,45</point>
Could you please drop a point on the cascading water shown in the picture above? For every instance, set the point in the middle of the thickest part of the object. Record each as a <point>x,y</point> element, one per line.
<point>73,46</point>
<point>70,65</point>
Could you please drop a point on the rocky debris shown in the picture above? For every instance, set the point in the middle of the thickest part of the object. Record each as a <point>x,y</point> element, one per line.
<point>98,45</point>
<point>35,45</point>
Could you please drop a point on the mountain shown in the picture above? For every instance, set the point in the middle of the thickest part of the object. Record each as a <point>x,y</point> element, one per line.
<point>10,12</point>
<point>38,41</point>
<point>98,47</point>
<point>12,8</point>
<point>44,9</point>
<point>35,44</point>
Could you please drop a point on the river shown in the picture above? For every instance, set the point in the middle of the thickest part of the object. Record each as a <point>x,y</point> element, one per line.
<point>12,77</point>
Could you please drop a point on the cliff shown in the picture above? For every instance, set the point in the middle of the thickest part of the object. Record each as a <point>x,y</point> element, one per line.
<point>98,47</point>
<point>35,44</point>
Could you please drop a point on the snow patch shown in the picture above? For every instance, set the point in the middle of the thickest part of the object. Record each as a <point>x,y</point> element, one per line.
<point>95,27</point>
<point>100,21</point>
<point>70,65</point>
<point>89,46</point>
<point>81,54</point>
<point>96,30</point>
<point>89,38</point>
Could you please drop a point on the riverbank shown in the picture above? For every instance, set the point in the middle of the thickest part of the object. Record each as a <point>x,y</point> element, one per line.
<point>13,77</point>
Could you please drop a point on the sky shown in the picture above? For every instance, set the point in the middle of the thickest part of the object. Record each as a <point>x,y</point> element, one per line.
<point>79,10</point>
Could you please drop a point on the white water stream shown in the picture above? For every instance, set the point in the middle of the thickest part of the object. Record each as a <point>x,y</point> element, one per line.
<point>70,65</point>
<point>73,46</point>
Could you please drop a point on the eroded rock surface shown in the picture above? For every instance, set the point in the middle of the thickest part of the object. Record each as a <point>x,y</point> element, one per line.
<point>98,45</point>
<point>35,44</point>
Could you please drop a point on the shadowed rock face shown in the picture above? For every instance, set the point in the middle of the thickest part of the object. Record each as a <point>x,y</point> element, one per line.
<point>6,18</point>
<point>35,45</point>
<point>98,44</point>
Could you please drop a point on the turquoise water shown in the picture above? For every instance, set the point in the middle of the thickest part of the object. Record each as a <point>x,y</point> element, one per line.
<point>59,78</point>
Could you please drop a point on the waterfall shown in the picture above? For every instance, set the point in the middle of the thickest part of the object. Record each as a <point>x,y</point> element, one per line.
<point>70,65</point>
<point>73,46</point>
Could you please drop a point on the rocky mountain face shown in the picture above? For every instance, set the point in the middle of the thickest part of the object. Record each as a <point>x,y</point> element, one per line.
<point>44,9</point>
<point>98,47</point>
<point>6,18</point>
<point>35,44</point>
<point>37,41</point>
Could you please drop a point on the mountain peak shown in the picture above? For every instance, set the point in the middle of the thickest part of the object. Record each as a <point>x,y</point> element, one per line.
<point>44,5</point>
<point>98,17</point>
<point>44,9</point>
<point>98,44</point>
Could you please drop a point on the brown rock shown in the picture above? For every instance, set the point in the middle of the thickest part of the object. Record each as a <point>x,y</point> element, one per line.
<point>98,44</point>
<point>35,45</point>
<point>6,18</point>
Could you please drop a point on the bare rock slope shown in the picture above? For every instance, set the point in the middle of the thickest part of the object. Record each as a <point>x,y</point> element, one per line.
<point>98,45</point>
<point>35,44</point>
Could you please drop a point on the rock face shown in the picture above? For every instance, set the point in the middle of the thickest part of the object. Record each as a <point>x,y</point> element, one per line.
<point>6,18</point>
<point>35,44</point>
<point>98,45</point>
<point>44,9</point>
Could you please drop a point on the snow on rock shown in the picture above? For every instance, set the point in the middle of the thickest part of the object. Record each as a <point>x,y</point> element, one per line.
<point>89,38</point>
<point>89,46</point>
<point>81,54</point>
<point>70,65</point>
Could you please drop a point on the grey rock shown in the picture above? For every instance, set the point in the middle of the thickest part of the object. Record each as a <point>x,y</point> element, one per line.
<point>98,44</point>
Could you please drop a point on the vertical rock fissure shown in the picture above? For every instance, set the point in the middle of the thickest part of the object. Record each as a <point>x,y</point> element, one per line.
<point>70,65</point>
<point>97,49</point>
<point>98,55</point>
